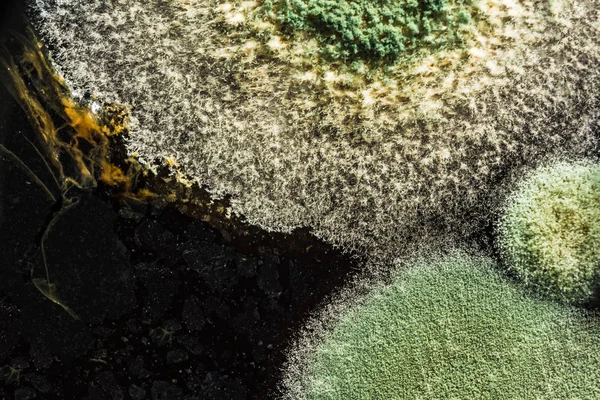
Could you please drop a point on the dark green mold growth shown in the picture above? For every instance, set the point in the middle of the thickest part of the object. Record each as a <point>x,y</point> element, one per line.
<point>375,30</point>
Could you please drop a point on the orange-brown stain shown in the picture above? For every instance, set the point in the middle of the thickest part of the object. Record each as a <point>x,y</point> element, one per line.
<point>49,104</point>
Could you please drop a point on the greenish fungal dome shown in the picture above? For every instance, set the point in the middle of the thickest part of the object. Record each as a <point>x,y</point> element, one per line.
<point>451,329</point>
<point>364,29</point>
<point>550,231</point>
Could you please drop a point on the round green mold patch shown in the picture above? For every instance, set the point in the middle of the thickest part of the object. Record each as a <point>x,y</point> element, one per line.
<point>449,329</point>
<point>550,230</point>
<point>375,30</point>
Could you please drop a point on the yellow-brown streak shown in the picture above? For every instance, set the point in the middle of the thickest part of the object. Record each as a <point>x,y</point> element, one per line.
<point>50,93</point>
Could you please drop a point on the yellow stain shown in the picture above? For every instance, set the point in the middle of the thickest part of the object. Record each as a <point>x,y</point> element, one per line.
<point>71,124</point>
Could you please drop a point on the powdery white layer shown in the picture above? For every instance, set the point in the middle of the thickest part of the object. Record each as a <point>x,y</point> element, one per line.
<point>437,169</point>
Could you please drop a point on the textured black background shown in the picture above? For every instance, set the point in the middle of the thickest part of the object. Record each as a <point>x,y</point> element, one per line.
<point>169,307</point>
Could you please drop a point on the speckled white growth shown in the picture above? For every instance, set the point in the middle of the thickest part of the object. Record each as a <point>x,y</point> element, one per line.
<point>290,161</point>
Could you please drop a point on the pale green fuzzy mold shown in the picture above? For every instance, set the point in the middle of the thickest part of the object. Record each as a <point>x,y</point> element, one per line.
<point>549,233</point>
<point>448,328</point>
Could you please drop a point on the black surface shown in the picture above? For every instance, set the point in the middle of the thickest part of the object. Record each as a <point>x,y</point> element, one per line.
<point>168,307</point>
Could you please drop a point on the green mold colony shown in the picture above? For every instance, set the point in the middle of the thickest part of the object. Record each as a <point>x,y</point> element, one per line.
<point>449,329</point>
<point>363,29</point>
<point>550,231</point>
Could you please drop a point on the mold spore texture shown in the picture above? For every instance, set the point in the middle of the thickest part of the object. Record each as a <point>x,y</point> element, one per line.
<point>446,326</point>
<point>232,111</point>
